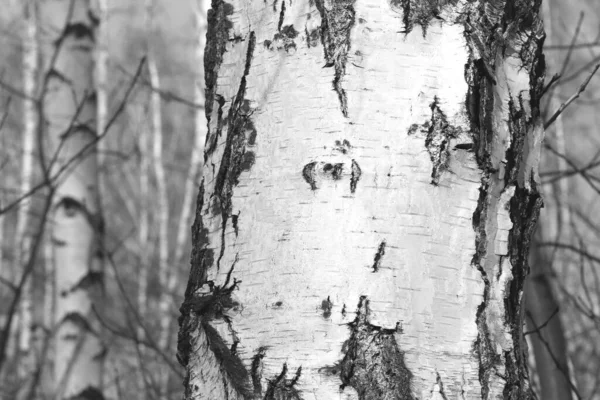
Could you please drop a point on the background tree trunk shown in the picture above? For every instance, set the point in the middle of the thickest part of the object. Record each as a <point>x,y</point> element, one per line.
<point>69,109</point>
<point>22,236</point>
<point>362,231</point>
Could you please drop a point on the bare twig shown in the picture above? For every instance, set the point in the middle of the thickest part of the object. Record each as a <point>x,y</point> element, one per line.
<point>571,99</point>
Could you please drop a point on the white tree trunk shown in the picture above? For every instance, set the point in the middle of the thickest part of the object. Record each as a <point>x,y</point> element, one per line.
<point>69,106</point>
<point>368,197</point>
<point>22,236</point>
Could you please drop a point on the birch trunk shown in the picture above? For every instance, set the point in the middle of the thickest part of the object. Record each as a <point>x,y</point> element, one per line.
<point>368,197</point>
<point>69,106</point>
<point>22,236</point>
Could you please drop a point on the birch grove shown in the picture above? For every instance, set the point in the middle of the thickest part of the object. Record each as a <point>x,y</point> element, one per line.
<point>369,193</point>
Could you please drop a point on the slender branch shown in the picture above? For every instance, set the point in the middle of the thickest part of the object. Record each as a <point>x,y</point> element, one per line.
<point>571,99</point>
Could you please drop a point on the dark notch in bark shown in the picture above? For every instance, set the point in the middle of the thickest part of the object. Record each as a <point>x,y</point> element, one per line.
<point>326,306</point>
<point>379,256</point>
<point>257,369</point>
<point>491,32</point>
<point>420,12</point>
<point>373,363</point>
<point>91,279</point>
<point>78,30</point>
<point>282,388</point>
<point>438,133</point>
<point>89,393</point>
<point>336,25</point>
<point>78,320</point>
<point>355,176</point>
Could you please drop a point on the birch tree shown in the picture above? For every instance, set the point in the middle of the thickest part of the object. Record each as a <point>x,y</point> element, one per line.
<point>369,193</point>
<point>69,110</point>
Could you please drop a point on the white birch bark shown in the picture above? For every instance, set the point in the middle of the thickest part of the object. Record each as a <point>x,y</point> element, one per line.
<point>368,197</point>
<point>156,129</point>
<point>22,236</point>
<point>69,107</point>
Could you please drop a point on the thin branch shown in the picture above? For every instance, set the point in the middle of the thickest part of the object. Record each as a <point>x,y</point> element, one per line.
<point>571,99</point>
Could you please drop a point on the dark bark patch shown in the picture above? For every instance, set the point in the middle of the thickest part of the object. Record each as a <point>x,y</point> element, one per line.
<point>257,369</point>
<point>89,393</point>
<point>379,256</point>
<point>91,279</point>
<point>283,40</point>
<point>342,146</point>
<point>420,12</point>
<point>312,37</point>
<point>71,206</point>
<point>282,388</point>
<point>308,173</point>
<point>217,36</point>
<point>78,31</point>
<point>78,320</point>
<point>356,172</point>
<point>326,306</point>
<point>337,21</point>
<point>234,222</point>
<point>438,133</point>
<point>281,16</point>
<point>373,363</point>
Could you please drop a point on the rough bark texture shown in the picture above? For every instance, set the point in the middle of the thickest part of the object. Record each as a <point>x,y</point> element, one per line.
<point>69,111</point>
<point>416,202</point>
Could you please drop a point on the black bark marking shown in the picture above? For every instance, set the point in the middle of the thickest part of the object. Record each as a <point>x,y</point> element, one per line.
<point>420,12</point>
<point>212,139</point>
<point>373,363</point>
<point>379,256</point>
<point>489,32</point>
<point>308,172</point>
<point>281,16</point>
<point>217,36</point>
<point>441,386</point>
<point>312,37</point>
<point>78,320</point>
<point>283,40</point>
<point>234,222</point>
<point>78,31</point>
<point>89,393</point>
<point>91,279</point>
<point>355,176</point>
<point>342,146</point>
<point>326,306</point>
<point>438,133</point>
<point>282,388</point>
<point>71,206</point>
<point>344,310</point>
<point>235,159</point>
<point>257,370</point>
<point>335,170</point>
<point>336,25</point>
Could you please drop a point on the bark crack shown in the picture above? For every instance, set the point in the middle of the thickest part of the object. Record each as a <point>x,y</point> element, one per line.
<point>337,20</point>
